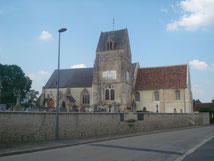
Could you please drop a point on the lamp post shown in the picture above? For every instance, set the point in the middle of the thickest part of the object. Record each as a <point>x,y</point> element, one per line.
<point>57,98</point>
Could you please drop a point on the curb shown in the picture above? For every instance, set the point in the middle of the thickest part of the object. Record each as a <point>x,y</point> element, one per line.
<point>95,140</point>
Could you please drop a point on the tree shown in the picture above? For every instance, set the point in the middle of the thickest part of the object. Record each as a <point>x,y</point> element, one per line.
<point>195,101</point>
<point>13,79</point>
<point>212,101</point>
<point>31,98</point>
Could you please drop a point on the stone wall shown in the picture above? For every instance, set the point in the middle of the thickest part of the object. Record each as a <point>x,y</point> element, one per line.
<point>23,126</point>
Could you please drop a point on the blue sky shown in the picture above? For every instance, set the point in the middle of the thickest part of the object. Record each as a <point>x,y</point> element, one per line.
<point>161,33</point>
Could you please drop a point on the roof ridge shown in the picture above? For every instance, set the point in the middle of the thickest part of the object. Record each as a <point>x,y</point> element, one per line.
<point>84,68</point>
<point>76,68</point>
<point>164,66</point>
<point>114,30</point>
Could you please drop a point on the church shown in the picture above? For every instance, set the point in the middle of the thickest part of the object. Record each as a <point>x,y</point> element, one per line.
<point>117,84</point>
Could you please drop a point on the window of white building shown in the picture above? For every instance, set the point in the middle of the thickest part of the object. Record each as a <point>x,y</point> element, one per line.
<point>157,96</point>
<point>178,95</point>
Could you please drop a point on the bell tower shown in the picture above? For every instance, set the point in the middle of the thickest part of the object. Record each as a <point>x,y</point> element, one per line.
<point>112,74</point>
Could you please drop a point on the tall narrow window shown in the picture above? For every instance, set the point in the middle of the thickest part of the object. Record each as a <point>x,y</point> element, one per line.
<point>137,96</point>
<point>112,94</point>
<point>110,45</point>
<point>157,96</point>
<point>107,94</point>
<point>178,95</point>
<point>51,103</point>
<point>85,99</point>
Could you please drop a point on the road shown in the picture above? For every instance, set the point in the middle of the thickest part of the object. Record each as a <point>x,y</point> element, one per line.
<point>165,146</point>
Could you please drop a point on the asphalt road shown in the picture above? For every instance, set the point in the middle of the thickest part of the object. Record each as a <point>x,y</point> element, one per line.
<point>165,146</point>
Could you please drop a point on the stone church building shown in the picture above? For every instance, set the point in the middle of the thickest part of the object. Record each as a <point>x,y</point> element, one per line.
<point>116,81</point>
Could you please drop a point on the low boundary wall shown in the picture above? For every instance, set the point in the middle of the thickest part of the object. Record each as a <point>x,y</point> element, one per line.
<point>24,127</point>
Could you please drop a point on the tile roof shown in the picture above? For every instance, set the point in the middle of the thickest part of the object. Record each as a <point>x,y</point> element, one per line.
<point>120,37</point>
<point>165,77</point>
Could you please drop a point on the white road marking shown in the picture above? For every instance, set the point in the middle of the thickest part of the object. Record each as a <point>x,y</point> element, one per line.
<point>194,149</point>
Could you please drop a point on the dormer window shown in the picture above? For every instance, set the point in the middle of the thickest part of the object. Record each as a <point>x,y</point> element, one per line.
<point>109,45</point>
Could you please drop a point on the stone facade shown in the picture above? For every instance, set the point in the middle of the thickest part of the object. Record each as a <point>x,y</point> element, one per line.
<point>76,94</point>
<point>115,80</point>
<point>24,127</point>
<point>112,71</point>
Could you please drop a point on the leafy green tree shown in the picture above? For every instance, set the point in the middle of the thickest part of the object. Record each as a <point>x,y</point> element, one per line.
<point>31,98</point>
<point>212,101</point>
<point>13,79</point>
<point>194,101</point>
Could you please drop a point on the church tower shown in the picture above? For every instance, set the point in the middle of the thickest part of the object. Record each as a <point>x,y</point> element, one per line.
<point>112,73</point>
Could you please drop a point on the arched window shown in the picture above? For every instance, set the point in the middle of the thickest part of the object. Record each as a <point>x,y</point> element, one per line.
<point>51,103</point>
<point>107,94</point>
<point>112,94</point>
<point>85,99</point>
<point>157,96</point>
<point>178,95</point>
<point>137,96</point>
<point>110,45</point>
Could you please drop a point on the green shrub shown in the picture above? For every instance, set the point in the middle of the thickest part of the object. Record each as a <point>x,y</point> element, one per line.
<point>204,109</point>
<point>131,120</point>
<point>212,120</point>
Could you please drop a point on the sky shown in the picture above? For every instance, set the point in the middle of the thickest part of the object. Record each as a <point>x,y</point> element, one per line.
<point>161,33</point>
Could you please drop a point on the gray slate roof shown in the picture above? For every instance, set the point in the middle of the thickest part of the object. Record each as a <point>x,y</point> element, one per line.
<point>120,38</point>
<point>71,78</point>
<point>80,77</point>
<point>133,68</point>
<point>70,98</point>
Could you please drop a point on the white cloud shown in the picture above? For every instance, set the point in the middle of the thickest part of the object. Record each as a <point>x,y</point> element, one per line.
<point>32,76</point>
<point>201,65</point>
<point>172,26</point>
<point>164,10</point>
<point>45,36</point>
<point>78,66</point>
<point>195,14</point>
<point>42,72</point>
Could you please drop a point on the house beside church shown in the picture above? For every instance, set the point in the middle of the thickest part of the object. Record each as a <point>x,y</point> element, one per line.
<point>116,81</point>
